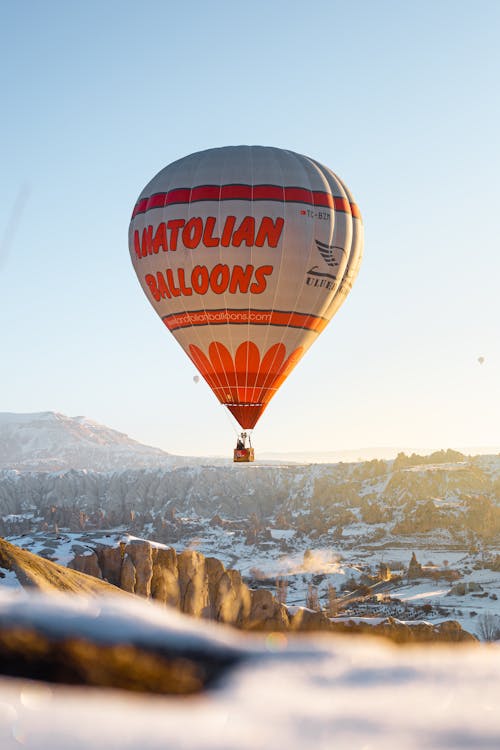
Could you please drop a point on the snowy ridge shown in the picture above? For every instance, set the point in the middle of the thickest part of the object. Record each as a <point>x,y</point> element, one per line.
<point>48,441</point>
<point>315,526</point>
<point>201,489</point>
<point>236,492</point>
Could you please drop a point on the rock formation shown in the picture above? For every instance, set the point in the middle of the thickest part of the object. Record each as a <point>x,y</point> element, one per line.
<point>54,642</point>
<point>414,568</point>
<point>402,632</point>
<point>465,587</point>
<point>266,613</point>
<point>188,581</point>
<point>34,572</point>
<point>86,562</point>
<point>202,587</point>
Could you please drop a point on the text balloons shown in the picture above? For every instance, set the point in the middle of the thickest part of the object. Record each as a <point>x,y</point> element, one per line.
<point>246,253</point>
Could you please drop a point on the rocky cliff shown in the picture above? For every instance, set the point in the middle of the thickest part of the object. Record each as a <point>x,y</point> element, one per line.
<point>20,568</point>
<point>192,583</point>
<point>202,587</point>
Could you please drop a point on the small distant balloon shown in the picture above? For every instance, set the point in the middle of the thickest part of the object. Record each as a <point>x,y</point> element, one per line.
<point>480,360</point>
<point>196,378</point>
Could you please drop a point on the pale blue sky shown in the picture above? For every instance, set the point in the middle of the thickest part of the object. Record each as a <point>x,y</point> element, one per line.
<point>400,99</point>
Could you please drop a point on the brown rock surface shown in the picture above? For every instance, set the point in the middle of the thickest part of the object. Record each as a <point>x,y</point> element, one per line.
<point>84,651</point>
<point>165,577</point>
<point>202,587</point>
<point>87,563</point>
<point>266,613</point>
<point>215,571</point>
<point>452,631</point>
<point>414,568</point>
<point>193,583</point>
<point>110,561</point>
<point>33,571</point>
<point>233,599</point>
<point>128,575</point>
<point>402,632</point>
<point>140,552</point>
<point>306,620</point>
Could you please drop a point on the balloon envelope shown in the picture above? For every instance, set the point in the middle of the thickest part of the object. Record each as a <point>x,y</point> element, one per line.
<point>246,253</point>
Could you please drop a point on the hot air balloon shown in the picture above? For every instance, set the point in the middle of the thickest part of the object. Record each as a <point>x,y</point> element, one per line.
<point>196,378</point>
<point>480,360</point>
<point>246,253</point>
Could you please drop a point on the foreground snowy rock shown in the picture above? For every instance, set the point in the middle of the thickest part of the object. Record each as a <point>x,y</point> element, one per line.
<point>303,692</point>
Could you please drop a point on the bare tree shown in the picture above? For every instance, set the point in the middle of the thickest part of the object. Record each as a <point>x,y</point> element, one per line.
<point>312,599</point>
<point>489,627</point>
<point>333,602</point>
<point>281,589</point>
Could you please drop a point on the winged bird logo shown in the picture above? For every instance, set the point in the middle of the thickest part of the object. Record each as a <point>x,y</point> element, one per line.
<point>327,253</point>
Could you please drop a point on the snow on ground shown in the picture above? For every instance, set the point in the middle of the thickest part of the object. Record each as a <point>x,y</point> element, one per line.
<point>9,580</point>
<point>300,693</point>
<point>469,610</point>
<point>420,591</point>
<point>59,548</point>
<point>444,466</point>
<point>282,533</point>
<point>110,620</point>
<point>302,564</point>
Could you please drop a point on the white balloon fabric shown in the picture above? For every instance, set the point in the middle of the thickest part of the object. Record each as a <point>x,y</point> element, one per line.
<point>246,253</point>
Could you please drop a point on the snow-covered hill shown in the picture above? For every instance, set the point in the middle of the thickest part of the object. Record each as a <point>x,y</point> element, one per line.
<point>48,441</point>
<point>297,692</point>
<point>263,519</point>
<point>19,567</point>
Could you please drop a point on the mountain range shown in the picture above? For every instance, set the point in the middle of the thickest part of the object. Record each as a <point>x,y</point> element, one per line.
<point>49,441</point>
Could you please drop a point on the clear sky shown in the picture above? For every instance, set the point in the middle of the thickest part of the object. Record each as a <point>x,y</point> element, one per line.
<point>400,99</point>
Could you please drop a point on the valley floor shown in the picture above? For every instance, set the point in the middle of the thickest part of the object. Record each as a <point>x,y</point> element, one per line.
<point>473,599</point>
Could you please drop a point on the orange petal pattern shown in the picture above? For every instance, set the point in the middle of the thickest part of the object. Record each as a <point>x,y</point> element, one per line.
<point>247,383</point>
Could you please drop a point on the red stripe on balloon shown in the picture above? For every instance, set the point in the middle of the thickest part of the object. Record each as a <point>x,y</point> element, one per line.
<point>286,319</point>
<point>245,193</point>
